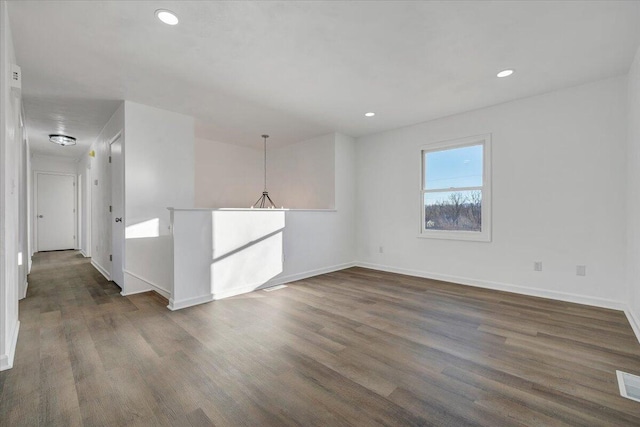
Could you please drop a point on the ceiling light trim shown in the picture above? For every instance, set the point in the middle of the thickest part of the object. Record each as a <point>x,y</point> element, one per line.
<point>506,73</point>
<point>62,140</point>
<point>167,16</point>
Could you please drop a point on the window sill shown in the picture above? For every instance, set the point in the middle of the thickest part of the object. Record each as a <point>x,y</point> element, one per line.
<point>469,236</point>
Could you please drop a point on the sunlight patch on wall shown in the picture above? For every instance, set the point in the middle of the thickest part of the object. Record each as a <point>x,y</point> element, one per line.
<point>143,230</point>
<point>247,249</point>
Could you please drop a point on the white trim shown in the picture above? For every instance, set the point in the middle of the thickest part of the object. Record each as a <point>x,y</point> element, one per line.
<point>239,291</point>
<point>101,269</point>
<point>634,321</point>
<point>83,254</point>
<point>79,207</point>
<point>6,360</point>
<point>249,209</point>
<point>306,274</point>
<point>280,280</point>
<point>189,302</point>
<point>621,384</point>
<point>26,286</point>
<point>36,173</point>
<point>143,285</point>
<point>121,240</point>
<point>477,236</point>
<point>497,286</point>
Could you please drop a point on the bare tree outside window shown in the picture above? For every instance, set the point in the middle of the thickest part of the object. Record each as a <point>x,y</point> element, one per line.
<point>454,211</point>
<point>453,189</point>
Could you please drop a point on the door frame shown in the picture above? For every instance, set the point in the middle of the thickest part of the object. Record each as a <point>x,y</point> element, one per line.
<point>119,136</point>
<point>79,188</point>
<point>36,174</point>
<point>88,195</point>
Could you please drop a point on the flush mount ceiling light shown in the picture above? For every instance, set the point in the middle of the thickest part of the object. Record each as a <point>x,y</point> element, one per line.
<point>370,114</point>
<point>63,140</point>
<point>505,73</point>
<point>167,16</point>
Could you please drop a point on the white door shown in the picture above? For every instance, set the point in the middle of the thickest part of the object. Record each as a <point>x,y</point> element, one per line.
<point>55,216</point>
<point>117,211</point>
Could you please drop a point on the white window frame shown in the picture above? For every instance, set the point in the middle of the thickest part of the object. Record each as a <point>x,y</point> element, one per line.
<point>478,236</point>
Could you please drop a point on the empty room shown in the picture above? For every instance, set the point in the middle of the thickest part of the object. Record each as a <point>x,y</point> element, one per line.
<point>319,213</point>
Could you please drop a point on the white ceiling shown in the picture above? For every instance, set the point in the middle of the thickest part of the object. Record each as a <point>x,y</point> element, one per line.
<point>300,69</point>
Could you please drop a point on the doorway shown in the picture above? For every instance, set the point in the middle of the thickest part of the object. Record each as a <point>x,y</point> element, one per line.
<point>55,211</point>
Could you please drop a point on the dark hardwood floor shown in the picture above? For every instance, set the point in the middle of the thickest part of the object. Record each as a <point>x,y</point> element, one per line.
<point>356,347</point>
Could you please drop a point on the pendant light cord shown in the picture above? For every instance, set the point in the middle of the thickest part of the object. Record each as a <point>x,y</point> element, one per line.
<point>265,161</point>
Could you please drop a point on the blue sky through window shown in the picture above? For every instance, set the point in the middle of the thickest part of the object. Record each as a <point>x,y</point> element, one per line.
<point>457,167</point>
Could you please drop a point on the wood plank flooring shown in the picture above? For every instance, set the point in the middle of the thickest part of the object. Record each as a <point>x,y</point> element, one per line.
<point>356,347</point>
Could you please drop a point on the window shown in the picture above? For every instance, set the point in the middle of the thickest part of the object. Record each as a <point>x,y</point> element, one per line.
<point>456,189</point>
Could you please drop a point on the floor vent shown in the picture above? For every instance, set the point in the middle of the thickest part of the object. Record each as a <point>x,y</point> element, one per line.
<point>275,288</point>
<point>629,385</point>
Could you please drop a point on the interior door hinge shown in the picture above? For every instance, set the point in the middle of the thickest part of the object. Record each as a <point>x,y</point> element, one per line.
<point>109,159</point>
<point>109,208</point>
<point>110,257</point>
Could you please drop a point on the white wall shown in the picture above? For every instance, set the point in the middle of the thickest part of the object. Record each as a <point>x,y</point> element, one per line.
<point>159,173</point>
<point>11,197</point>
<point>633,192</point>
<point>315,174</point>
<point>24,245</point>
<point>299,176</point>
<point>226,175</point>
<point>312,242</point>
<point>85,185</point>
<point>100,193</point>
<point>558,197</point>
<point>318,241</point>
<point>302,175</point>
<point>220,253</point>
<point>44,163</point>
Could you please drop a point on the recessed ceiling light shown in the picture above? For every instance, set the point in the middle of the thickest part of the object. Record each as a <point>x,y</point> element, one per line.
<point>505,73</point>
<point>167,16</point>
<point>63,140</point>
<point>370,114</point>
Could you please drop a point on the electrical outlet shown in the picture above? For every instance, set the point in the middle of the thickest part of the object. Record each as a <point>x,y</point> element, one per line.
<point>537,266</point>
<point>581,270</point>
<point>381,249</point>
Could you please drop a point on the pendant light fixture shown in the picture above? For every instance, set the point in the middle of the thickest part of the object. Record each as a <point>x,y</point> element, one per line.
<point>264,202</point>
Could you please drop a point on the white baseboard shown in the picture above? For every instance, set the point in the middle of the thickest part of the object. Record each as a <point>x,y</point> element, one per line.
<point>6,360</point>
<point>523,290</point>
<point>189,302</point>
<point>83,253</point>
<point>101,269</point>
<point>135,284</point>
<point>26,286</point>
<point>307,274</point>
<point>634,321</point>
<point>280,280</point>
